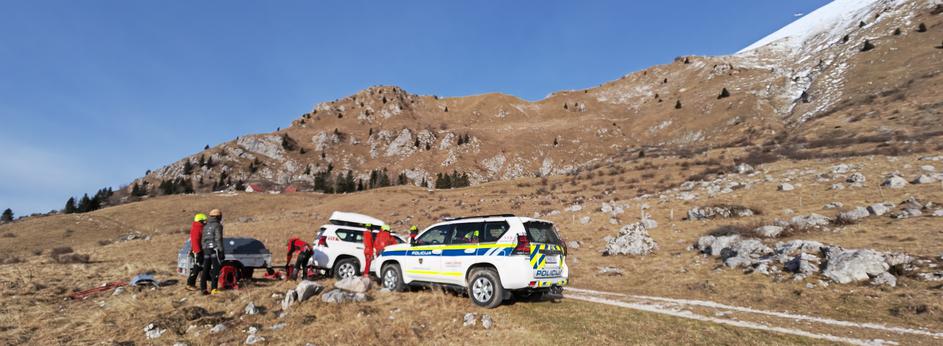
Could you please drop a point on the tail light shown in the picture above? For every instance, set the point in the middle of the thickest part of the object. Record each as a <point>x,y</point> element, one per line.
<point>322,241</point>
<point>523,246</point>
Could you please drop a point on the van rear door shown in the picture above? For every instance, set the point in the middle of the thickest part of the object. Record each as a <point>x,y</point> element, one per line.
<point>546,255</point>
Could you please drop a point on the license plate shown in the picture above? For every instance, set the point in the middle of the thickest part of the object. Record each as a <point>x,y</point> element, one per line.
<point>553,260</point>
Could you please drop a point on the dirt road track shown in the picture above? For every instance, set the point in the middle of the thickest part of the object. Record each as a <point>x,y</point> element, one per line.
<point>744,317</point>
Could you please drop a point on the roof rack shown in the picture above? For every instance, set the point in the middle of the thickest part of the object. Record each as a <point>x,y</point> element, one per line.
<point>475,217</point>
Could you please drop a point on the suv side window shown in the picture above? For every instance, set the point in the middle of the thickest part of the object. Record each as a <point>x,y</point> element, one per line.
<point>494,231</point>
<point>466,233</point>
<point>349,235</point>
<point>435,236</point>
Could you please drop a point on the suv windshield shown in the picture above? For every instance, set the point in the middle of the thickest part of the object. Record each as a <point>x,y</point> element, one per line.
<point>542,232</point>
<point>434,236</point>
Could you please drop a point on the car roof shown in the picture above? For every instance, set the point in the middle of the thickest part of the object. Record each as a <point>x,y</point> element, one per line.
<point>522,219</point>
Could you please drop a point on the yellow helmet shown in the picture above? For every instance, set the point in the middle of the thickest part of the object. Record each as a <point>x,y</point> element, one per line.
<point>414,228</point>
<point>200,217</point>
<point>386,227</point>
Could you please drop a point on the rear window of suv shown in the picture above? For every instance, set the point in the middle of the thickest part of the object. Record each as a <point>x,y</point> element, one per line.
<point>542,232</point>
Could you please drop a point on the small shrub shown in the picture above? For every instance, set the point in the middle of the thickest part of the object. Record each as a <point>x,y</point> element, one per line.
<point>922,28</point>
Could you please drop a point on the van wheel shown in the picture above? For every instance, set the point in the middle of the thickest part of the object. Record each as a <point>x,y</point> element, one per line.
<point>247,273</point>
<point>346,268</point>
<point>484,288</point>
<point>393,278</point>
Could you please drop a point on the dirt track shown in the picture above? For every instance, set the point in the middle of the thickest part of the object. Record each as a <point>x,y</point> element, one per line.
<point>744,317</point>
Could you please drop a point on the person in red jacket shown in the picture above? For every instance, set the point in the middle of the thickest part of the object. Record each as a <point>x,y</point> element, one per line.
<point>304,251</point>
<point>384,239</point>
<point>367,250</point>
<point>196,250</point>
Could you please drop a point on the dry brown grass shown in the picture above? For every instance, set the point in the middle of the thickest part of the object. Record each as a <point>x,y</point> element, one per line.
<point>34,312</point>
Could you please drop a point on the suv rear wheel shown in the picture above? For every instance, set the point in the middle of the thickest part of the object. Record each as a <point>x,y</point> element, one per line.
<point>346,268</point>
<point>484,288</point>
<point>393,278</point>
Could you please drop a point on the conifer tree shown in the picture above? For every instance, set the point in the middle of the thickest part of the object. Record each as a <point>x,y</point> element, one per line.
<point>70,206</point>
<point>867,46</point>
<point>921,28</point>
<point>678,104</point>
<point>723,93</point>
<point>7,215</point>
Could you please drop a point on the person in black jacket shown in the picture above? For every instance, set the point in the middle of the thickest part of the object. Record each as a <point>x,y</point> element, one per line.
<point>214,252</point>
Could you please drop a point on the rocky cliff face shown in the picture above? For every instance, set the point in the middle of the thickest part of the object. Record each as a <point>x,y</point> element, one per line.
<point>825,86</point>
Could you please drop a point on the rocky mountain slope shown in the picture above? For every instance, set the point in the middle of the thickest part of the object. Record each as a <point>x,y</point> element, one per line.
<point>851,72</point>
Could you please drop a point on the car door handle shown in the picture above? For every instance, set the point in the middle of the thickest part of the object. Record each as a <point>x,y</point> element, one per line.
<point>360,248</point>
<point>436,252</point>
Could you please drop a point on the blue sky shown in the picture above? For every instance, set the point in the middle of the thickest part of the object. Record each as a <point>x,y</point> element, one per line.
<point>93,93</point>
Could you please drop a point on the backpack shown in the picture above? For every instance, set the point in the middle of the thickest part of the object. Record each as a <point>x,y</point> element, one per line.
<point>229,277</point>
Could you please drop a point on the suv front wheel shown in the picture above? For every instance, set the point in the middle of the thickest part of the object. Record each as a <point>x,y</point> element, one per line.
<point>392,278</point>
<point>346,268</point>
<point>484,288</point>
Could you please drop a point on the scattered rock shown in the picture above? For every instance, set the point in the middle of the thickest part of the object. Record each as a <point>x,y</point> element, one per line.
<point>613,208</point>
<point>338,296</point>
<point>610,271</point>
<point>354,284</point>
<point>633,239</point>
<point>252,339</point>
<point>251,309</point>
<point>574,208</point>
<point>938,213</point>
<point>840,168</point>
<point>486,321</point>
<point>153,332</point>
<point>573,244</point>
<point>584,220</point>
<point>469,320</point>
<point>848,266</point>
<point>837,186</point>
<point>894,182</point>
<point>833,205</point>
<point>856,178</point>
<point>307,289</point>
<point>279,326</point>
<point>898,258</point>
<point>928,168</point>
<point>769,231</point>
<point>884,279</point>
<point>786,187</point>
<point>924,179</point>
<point>878,209</point>
<point>246,219</point>
<point>743,168</point>
<point>218,328</point>
<point>854,215</point>
<point>118,291</point>
<point>719,211</point>
<point>290,298</point>
<point>803,264</point>
<point>809,221</point>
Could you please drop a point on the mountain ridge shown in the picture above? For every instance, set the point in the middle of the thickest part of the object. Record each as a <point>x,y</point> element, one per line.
<point>674,105</point>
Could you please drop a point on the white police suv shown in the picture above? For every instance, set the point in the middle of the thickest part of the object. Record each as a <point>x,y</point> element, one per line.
<point>489,257</point>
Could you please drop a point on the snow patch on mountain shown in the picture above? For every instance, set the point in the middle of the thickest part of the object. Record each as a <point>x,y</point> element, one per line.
<point>825,25</point>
